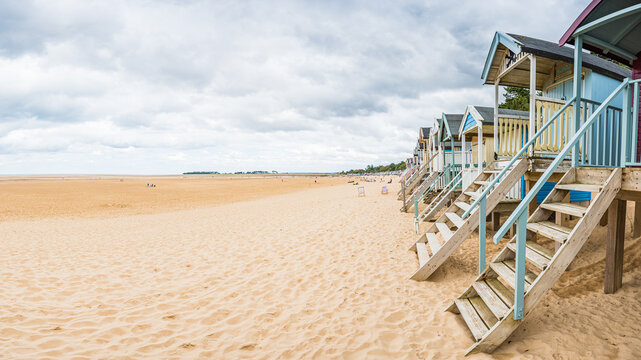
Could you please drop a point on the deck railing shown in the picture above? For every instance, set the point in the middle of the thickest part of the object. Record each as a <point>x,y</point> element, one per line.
<point>512,133</point>
<point>554,138</point>
<point>519,216</point>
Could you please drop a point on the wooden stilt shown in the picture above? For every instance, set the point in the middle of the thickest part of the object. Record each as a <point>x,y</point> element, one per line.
<point>614,246</point>
<point>636,225</point>
<point>532,206</point>
<point>496,221</point>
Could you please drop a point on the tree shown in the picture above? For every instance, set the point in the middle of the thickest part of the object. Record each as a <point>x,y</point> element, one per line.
<point>516,98</point>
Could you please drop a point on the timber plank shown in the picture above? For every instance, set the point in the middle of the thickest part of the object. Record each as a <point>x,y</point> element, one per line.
<point>455,219</point>
<point>421,251</point>
<point>435,244</point>
<point>491,299</point>
<point>529,276</point>
<point>534,257</point>
<point>484,311</point>
<point>566,208</point>
<point>541,228</point>
<point>579,187</point>
<point>463,206</point>
<point>445,231</point>
<point>504,293</point>
<point>472,318</point>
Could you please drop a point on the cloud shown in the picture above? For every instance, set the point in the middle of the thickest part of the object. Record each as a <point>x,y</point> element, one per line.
<point>172,86</point>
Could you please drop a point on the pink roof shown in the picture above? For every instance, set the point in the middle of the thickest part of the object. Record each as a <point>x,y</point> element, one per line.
<point>566,37</point>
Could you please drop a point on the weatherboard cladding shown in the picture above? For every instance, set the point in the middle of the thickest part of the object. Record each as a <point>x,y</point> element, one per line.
<point>469,122</point>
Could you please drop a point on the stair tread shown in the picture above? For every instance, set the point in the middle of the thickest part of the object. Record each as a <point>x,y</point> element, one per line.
<point>471,317</point>
<point>550,230</point>
<point>423,255</point>
<point>529,276</point>
<point>433,241</point>
<point>463,206</point>
<point>536,258</point>
<point>472,194</point>
<point>455,219</point>
<point>445,231</point>
<point>482,182</point>
<point>507,274</point>
<point>491,299</point>
<point>503,292</point>
<point>484,311</point>
<point>579,187</point>
<point>566,208</point>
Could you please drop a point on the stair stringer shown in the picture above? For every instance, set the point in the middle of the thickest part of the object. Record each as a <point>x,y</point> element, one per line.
<point>496,335</point>
<point>471,223</point>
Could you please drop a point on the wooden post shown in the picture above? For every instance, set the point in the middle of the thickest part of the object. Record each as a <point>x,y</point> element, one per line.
<point>636,225</point>
<point>496,117</point>
<point>480,148</point>
<point>577,87</point>
<point>528,186</point>
<point>496,221</point>
<point>614,246</point>
<point>532,129</point>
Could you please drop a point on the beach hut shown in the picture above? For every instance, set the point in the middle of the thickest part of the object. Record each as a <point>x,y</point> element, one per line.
<point>598,152</point>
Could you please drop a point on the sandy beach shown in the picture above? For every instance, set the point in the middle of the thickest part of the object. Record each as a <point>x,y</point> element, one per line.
<point>264,269</point>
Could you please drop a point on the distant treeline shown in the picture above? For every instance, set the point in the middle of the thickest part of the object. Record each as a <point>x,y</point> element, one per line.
<point>377,169</point>
<point>200,172</point>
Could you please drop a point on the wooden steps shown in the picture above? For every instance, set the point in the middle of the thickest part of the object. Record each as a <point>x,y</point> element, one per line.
<point>538,259</point>
<point>579,187</point>
<point>462,205</point>
<point>483,183</point>
<point>444,230</point>
<point>443,239</point>
<point>435,244</point>
<point>455,219</point>
<point>471,317</point>
<point>423,255</point>
<point>491,294</point>
<point>550,230</point>
<point>472,194</point>
<point>566,208</point>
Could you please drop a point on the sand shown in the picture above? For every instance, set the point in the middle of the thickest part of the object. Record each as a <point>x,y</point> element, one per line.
<point>312,273</point>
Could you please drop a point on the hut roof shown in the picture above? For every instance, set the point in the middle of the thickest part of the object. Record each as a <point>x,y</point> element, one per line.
<point>521,43</point>
<point>619,40</point>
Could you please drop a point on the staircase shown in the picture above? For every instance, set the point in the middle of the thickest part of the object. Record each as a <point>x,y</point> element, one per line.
<point>450,230</point>
<point>413,181</point>
<point>487,306</point>
<point>427,182</point>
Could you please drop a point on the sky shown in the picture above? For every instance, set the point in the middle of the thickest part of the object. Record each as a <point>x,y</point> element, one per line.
<point>168,86</point>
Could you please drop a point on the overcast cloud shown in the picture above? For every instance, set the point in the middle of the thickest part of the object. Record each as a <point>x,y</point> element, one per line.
<point>172,86</point>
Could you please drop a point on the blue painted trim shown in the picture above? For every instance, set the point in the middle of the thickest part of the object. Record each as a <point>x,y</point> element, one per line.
<point>499,38</point>
<point>470,122</point>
